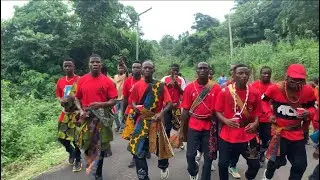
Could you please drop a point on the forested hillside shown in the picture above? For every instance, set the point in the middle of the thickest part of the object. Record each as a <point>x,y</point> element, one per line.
<point>41,34</point>
<point>273,33</point>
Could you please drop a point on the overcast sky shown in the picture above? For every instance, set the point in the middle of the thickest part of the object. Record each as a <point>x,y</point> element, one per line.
<point>166,17</point>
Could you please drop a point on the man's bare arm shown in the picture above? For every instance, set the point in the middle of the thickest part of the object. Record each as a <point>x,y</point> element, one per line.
<point>167,107</point>
<point>125,104</point>
<point>184,121</point>
<point>77,103</point>
<point>109,103</point>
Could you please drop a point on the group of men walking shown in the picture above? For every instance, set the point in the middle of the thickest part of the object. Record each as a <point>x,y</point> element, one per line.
<point>224,120</point>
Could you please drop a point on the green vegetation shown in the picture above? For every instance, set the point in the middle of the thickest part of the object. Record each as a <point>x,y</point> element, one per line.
<point>273,33</point>
<point>42,33</point>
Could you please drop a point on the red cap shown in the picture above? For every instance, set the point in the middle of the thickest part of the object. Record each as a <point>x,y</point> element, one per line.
<point>296,71</point>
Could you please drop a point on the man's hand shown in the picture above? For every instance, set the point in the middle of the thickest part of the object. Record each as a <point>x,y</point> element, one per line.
<point>232,123</point>
<point>316,154</point>
<point>174,105</point>
<point>158,116</point>
<point>251,127</point>
<point>83,113</point>
<point>303,114</point>
<point>136,110</point>
<point>272,119</point>
<point>171,83</point>
<point>176,83</point>
<point>95,105</point>
<point>63,101</point>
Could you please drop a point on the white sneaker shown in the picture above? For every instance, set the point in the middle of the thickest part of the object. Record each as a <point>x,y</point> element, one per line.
<point>234,172</point>
<point>194,177</point>
<point>264,175</point>
<point>164,174</point>
<point>212,167</point>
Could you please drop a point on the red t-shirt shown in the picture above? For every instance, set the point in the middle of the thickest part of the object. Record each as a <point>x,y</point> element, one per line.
<point>285,114</point>
<point>127,88</point>
<point>173,91</point>
<point>207,107</point>
<point>141,86</point>
<point>262,88</point>
<point>63,88</point>
<point>95,89</point>
<point>225,106</point>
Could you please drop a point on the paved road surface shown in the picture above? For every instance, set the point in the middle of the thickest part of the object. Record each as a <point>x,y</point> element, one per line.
<point>115,167</point>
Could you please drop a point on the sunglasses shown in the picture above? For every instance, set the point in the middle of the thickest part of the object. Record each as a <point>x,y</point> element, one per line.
<point>295,81</point>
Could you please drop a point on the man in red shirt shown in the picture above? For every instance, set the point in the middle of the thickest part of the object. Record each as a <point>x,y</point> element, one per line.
<point>97,94</point>
<point>119,81</point>
<point>65,91</point>
<point>264,124</point>
<point>198,108</point>
<point>127,103</point>
<point>175,85</point>
<point>233,170</point>
<point>315,123</point>
<point>293,104</point>
<point>239,107</point>
<point>150,101</point>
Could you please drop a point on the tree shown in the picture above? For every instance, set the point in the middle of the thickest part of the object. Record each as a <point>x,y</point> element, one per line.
<point>167,44</point>
<point>42,33</point>
<point>204,22</point>
<point>38,36</point>
<point>297,17</point>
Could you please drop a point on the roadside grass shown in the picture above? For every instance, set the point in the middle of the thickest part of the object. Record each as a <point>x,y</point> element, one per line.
<point>32,168</point>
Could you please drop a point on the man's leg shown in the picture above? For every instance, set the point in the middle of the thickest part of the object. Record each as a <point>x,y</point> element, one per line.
<point>117,118</point>
<point>77,155</point>
<point>206,168</point>
<point>280,160</point>
<point>225,152</point>
<point>193,141</point>
<point>100,165</point>
<point>250,151</point>
<point>233,170</point>
<point>265,136</point>
<point>234,160</point>
<point>168,122</point>
<point>306,136</point>
<point>141,168</point>
<point>297,156</point>
<point>121,115</point>
<point>69,149</point>
<point>141,162</point>
<point>132,163</point>
<point>315,174</point>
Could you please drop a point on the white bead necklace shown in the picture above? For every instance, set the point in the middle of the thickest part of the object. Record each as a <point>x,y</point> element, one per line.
<point>235,100</point>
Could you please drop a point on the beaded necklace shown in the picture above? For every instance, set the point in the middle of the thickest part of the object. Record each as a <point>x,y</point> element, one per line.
<point>287,95</point>
<point>235,101</point>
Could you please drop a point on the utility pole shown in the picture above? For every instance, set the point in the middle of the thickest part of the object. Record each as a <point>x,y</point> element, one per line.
<point>230,35</point>
<point>137,28</point>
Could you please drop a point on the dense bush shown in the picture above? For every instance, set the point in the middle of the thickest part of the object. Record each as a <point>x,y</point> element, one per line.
<point>28,125</point>
<point>304,51</point>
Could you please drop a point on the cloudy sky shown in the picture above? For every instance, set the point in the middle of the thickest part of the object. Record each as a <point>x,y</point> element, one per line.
<point>166,17</point>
